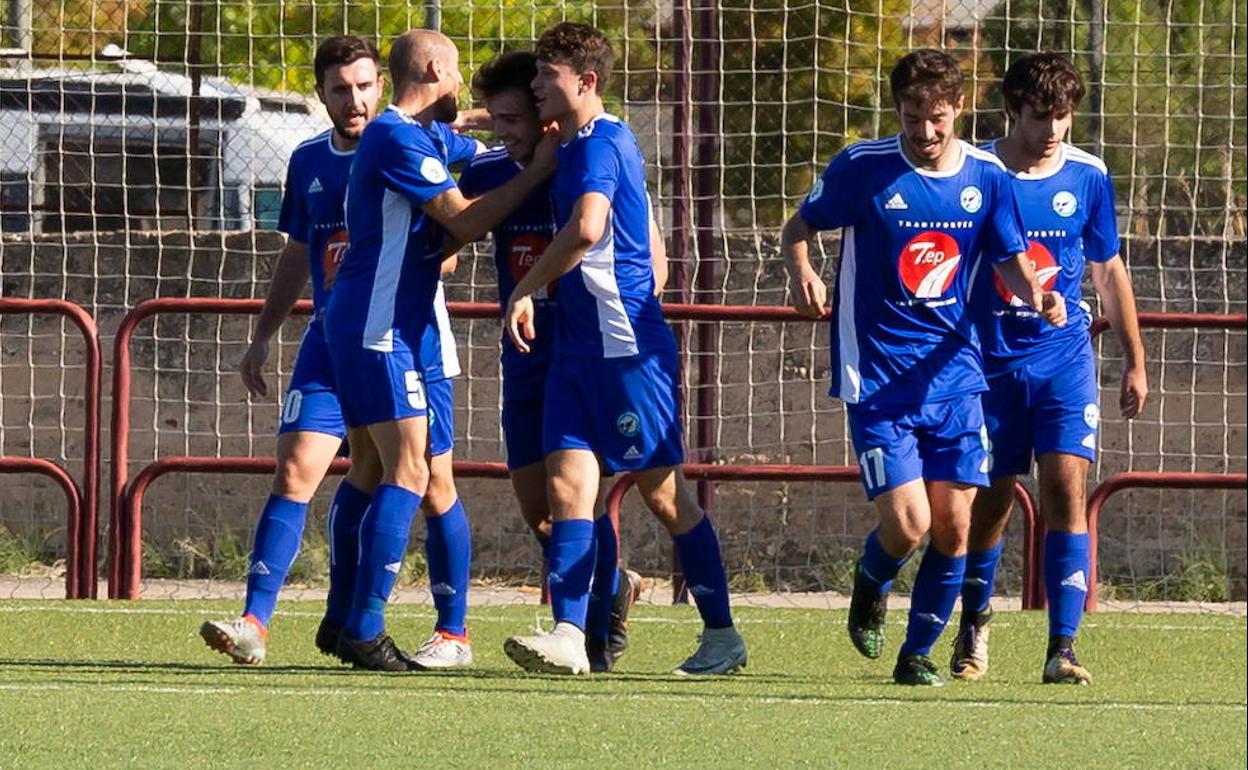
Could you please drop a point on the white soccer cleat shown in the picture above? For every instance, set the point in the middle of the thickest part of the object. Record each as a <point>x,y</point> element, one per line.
<point>562,651</point>
<point>243,639</point>
<point>443,651</point>
<point>720,651</point>
<point>970,649</point>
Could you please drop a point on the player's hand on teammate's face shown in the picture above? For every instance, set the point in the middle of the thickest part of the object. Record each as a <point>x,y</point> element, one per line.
<point>518,322</point>
<point>251,366</point>
<point>546,153</point>
<point>477,119</point>
<point>1134,391</point>
<point>1053,308</point>
<point>810,295</point>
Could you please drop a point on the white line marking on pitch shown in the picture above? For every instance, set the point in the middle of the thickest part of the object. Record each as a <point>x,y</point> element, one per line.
<point>814,700</point>
<point>419,614</point>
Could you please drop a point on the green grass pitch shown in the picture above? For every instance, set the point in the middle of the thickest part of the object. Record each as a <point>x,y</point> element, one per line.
<point>131,685</point>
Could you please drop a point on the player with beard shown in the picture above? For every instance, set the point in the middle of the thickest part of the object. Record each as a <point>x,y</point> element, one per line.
<point>519,242</point>
<point>1042,382</point>
<point>612,386</point>
<point>401,205</point>
<point>918,212</point>
<point>311,430</point>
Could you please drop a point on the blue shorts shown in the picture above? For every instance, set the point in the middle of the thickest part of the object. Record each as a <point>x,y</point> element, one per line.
<point>522,430</point>
<point>1047,405</point>
<point>625,410</point>
<point>441,416</point>
<point>311,402</point>
<point>378,387</point>
<point>944,441</point>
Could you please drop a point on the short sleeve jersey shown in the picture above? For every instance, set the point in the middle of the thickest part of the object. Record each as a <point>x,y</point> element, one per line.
<point>912,243</point>
<point>1069,215</point>
<point>389,278</point>
<point>312,211</point>
<point>519,241</point>
<point>607,307</point>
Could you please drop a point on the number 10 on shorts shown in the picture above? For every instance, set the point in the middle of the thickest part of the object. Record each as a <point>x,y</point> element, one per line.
<point>872,464</point>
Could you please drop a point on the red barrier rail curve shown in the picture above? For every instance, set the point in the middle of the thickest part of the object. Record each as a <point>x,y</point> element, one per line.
<point>73,514</point>
<point>81,573</point>
<point>1144,480</point>
<point>840,474</point>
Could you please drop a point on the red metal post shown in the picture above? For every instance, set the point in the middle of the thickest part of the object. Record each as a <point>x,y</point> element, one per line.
<point>1144,480</point>
<point>73,516</point>
<point>81,547</point>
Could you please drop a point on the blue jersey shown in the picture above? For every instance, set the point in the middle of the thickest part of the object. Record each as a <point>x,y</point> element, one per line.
<point>607,307</point>
<point>912,242</point>
<point>1069,213</point>
<point>389,277</point>
<point>316,184</point>
<point>519,241</point>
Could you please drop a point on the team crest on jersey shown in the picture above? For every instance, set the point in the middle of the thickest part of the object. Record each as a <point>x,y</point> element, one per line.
<point>331,257</point>
<point>433,170</point>
<point>628,424</point>
<point>1092,415</point>
<point>1065,203</point>
<point>815,191</point>
<point>1045,267</point>
<point>928,264</point>
<point>972,199</point>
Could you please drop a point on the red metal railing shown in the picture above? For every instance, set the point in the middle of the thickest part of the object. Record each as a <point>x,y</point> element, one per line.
<point>840,474</point>
<point>80,577</point>
<point>1143,480</point>
<point>73,514</point>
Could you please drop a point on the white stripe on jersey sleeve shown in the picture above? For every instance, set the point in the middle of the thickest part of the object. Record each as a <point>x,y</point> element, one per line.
<point>598,272</point>
<point>846,327</point>
<point>396,220</point>
<point>1085,157</point>
<point>450,352</point>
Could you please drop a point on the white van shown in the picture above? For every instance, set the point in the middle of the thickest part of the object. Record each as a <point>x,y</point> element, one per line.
<point>90,149</point>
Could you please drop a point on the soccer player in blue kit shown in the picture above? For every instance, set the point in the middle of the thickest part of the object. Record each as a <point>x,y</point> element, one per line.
<point>311,430</point>
<point>918,211</point>
<point>611,391</point>
<point>402,205</point>
<point>519,241</point>
<point>1042,382</point>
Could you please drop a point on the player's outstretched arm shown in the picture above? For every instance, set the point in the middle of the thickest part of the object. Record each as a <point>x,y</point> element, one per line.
<point>289,277</point>
<point>469,219</point>
<point>658,257</point>
<point>810,295</point>
<point>1019,276</point>
<point>583,229</point>
<point>1113,286</point>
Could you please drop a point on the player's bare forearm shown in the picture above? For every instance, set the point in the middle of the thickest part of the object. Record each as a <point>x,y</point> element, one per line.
<point>584,228</point>
<point>1019,277</point>
<point>658,258</point>
<point>450,264</point>
<point>810,295</point>
<point>1113,286</point>
<point>290,275</point>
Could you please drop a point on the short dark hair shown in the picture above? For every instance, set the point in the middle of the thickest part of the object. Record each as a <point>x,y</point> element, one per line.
<point>926,75</point>
<point>340,50</point>
<point>1048,81</point>
<point>513,70</point>
<point>581,46</point>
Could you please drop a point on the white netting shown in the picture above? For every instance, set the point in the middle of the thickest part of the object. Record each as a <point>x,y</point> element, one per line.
<point>130,122</point>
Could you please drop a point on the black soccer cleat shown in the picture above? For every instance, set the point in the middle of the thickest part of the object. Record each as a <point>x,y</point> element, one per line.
<point>327,637</point>
<point>377,654</point>
<point>867,610</point>
<point>603,654</point>
<point>917,671</point>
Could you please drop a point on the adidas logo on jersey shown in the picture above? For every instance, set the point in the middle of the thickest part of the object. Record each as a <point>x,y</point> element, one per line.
<point>896,203</point>
<point>632,453</point>
<point>1077,581</point>
<point>259,568</point>
<point>442,589</point>
<point>315,187</point>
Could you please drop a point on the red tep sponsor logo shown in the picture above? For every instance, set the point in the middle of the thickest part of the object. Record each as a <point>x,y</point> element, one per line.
<point>331,256</point>
<point>1045,267</point>
<point>928,264</point>
<point>525,251</point>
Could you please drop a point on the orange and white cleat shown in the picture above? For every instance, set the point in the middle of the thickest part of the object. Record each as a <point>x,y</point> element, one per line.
<point>243,639</point>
